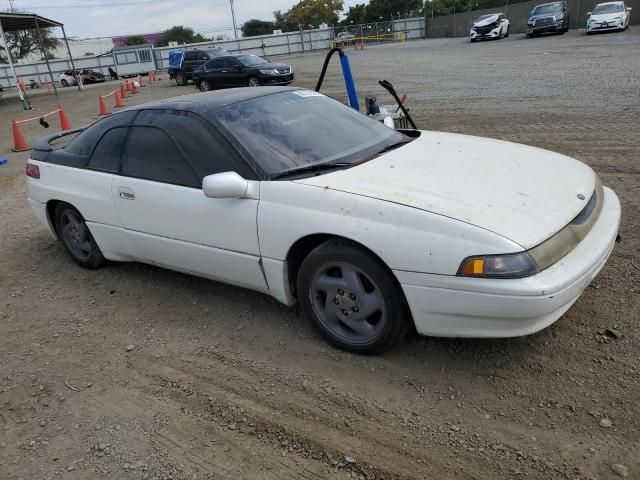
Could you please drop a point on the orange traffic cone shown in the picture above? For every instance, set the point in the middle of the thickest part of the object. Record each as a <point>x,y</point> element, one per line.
<point>128,85</point>
<point>151,79</point>
<point>119,99</point>
<point>123,91</point>
<point>19,143</point>
<point>103,106</point>
<point>65,124</point>
<point>141,81</point>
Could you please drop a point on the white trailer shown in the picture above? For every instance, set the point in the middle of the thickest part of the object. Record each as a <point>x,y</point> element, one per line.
<point>134,60</point>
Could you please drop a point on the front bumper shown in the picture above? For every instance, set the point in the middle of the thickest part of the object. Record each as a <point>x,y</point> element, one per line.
<point>553,28</point>
<point>451,306</point>
<point>605,27</point>
<point>478,35</point>
<point>277,79</point>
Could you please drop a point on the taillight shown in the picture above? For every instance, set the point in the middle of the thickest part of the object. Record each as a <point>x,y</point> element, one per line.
<point>33,171</point>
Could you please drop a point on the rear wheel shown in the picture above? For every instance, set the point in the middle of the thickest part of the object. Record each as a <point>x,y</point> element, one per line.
<point>64,83</point>
<point>204,86</point>
<point>76,237</point>
<point>473,40</point>
<point>253,81</point>
<point>352,299</point>
<point>181,80</point>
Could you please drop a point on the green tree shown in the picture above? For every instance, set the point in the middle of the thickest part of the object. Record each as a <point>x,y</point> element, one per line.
<point>355,15</point>
<point>136,40</point>
<point>309,14</point>
<point>181,35</point>
<point>25,42</point>
<point>254,27</point>
<point>384,9</point>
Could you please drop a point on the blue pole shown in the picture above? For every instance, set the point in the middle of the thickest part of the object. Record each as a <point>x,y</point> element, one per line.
<point>348,82</point>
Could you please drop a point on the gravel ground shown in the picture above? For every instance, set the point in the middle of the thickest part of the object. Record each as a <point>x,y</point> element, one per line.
<point>133,372</point>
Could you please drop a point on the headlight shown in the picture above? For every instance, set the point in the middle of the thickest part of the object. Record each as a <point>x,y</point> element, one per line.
<point>269,71</point>
<point>512,265</point>
<point>618,18</point>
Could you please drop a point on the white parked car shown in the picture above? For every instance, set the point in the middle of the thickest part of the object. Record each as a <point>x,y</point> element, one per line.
<point>608,16</point>
<point>490,26</point>
<point>372,230</point>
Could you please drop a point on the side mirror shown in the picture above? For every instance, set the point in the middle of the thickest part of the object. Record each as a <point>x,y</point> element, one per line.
<point>588,14</point>
<point>629,9</point>
<point>224,185</point>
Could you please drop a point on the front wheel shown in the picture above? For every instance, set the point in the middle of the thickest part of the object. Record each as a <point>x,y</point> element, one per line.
<point>352,299</point>
<point>506,34</point>
<point>64,83</point>
<point>253,81</point>
<point>76,237</point>
<point>181,80</point>
<point>204,86</point>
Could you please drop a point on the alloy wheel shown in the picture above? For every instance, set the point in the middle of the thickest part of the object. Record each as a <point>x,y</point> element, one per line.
<point>348,303</point>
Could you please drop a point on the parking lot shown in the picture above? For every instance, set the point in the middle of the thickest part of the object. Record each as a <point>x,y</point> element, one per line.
<point>135,372</point>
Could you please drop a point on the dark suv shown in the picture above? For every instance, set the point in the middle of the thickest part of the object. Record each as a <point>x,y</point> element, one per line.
<point>548,18</point>
<point>193,59</point>
<point>241,71</point>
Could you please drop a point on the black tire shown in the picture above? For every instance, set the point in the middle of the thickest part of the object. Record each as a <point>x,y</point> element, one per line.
<point>64,83</point>
<point>473,40</point>
<point>181,80</point>
<point>351,298</point>
<point>76,237</point>
<point>253,81</point>
<point>204,86</point>
<point>507,32</point>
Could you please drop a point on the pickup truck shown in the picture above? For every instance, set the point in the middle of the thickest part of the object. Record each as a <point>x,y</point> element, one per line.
<point>183,63</point>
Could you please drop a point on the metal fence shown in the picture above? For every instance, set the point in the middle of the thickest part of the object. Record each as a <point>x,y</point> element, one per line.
<point>267,45</point>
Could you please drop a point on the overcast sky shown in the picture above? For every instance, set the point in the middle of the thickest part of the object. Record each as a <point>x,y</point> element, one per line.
<point>97,18</point>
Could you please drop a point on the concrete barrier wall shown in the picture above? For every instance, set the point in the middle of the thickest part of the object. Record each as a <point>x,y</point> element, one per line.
<point>458,25</point>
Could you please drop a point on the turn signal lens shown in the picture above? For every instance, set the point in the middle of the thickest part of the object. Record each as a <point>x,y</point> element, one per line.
<point>33,171</point>
<point>513,265</point>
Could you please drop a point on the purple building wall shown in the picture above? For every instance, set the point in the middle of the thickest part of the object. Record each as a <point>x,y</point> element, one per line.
<point>152,38</point>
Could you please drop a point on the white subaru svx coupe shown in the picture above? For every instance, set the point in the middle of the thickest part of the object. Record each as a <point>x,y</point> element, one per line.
<point>371,230</point>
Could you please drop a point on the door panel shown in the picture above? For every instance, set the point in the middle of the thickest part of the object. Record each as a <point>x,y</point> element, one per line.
<point>180,228</point>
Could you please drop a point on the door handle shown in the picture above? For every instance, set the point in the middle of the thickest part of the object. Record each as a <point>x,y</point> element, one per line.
<point>126,193</point>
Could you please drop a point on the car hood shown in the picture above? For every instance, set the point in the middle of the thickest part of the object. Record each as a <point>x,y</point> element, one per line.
<point>522,193</point>
<point>278,66</point>
<point>486,21</point>
<point>606,17</point>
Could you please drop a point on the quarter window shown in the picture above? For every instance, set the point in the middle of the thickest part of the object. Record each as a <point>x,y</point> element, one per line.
<point>152,155</point>
<point>85,141</point>
<point>106,155</point>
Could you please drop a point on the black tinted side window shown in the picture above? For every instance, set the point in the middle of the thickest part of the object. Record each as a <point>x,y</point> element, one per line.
<point>83,144</point>
<point>229,63</point>
<point>213,64</point>
<point>152,155</point>
<point>206,150</point>
<point>188,56</point>
<point>106,155</point>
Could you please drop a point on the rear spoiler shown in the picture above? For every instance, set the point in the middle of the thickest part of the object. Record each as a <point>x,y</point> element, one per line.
<point>42,144</point>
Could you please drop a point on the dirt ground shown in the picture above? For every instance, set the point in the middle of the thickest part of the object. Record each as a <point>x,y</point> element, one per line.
<point>133,372</point>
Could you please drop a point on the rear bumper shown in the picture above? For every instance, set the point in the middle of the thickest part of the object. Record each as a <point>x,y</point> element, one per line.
<point>469,307</point>
<point>40,212</point>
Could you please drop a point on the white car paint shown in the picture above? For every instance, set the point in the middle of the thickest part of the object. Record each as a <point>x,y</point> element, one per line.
<point>501,30</point>
<point>421,209</point>
<point>609,21</point>
<point>70,80</point>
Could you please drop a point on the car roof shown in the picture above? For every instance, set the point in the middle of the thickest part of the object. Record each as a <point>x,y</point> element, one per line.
<point>210,101</point>
<point>550,3</point>
<point>609,3</point>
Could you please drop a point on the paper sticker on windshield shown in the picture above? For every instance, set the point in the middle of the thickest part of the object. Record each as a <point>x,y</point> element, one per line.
<point>308,93</point>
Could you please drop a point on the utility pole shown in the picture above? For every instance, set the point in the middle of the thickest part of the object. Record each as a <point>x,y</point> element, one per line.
<point>233,18</point>
<point>11,10</point>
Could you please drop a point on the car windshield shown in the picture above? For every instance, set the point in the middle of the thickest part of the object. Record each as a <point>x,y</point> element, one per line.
<point>249,60</point>
<point>608,8</point>
<point>297,129</point>
<point>484,17</point>
<point>547,9</point>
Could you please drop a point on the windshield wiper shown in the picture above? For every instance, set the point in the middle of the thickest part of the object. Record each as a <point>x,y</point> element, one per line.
<point>316,167</point>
